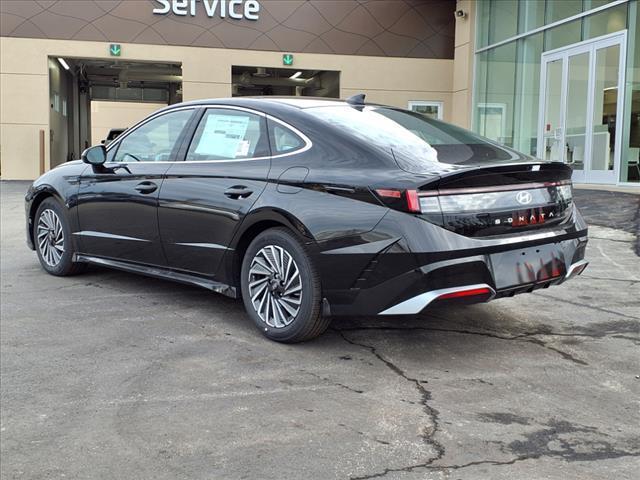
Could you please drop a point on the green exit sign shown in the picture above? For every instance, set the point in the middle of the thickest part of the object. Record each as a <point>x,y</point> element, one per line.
<point>287,59</point>
<point>115,49</point>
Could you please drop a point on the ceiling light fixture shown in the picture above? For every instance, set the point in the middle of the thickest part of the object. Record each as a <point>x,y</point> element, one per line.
<point>63,63</point>
<point>295,75</point>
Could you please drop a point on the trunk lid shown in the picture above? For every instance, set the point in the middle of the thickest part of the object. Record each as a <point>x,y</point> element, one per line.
<point>499,199</point>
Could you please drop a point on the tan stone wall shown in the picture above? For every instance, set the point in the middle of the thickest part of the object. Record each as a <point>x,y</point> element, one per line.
<point>463,64</point>
<point>24,84</point>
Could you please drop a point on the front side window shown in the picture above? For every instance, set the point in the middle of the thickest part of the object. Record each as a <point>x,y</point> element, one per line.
<point>155,140</point>
<point>226,134</point>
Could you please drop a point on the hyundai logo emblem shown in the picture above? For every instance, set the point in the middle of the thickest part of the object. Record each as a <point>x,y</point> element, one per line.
<point>524,198</point>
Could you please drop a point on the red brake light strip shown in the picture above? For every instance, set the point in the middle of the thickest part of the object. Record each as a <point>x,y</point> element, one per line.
<point>466,293</point>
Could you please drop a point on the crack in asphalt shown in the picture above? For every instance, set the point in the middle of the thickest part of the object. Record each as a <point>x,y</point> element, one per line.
<point>332,382</point>
<point>529,449</point>
<point>433,414</point>
<point>429,466</point>
<point>612,240</point>
<point>625,337</point>
<point>592,307</point>
<point>525,337</point>
<point>632,281</point>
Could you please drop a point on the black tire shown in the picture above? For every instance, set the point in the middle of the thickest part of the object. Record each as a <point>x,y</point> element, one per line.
<point>308,322</point>
<point>64,265</point>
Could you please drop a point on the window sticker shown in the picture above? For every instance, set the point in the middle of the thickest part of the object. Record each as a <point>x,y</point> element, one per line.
<point>223,136</point>
<point>243,149</point>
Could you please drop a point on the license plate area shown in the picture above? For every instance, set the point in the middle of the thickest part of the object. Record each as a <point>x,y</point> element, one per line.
<point>527,266</point>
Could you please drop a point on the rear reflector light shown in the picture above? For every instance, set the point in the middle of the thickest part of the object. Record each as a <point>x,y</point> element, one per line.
<point>465,293</point>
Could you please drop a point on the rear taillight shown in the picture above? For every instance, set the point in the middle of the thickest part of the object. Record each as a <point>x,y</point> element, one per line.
<point>486,210</point>
<point>389,193</point>
<point>413,201</point>
<point>405,200</point>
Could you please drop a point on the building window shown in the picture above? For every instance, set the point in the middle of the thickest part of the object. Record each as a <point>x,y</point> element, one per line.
<point>55,103</point>
<point>492,120</point>
<point>433,109</point>
<point>507,79</point>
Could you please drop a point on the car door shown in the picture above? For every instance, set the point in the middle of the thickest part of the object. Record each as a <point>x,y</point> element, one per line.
<point>204,199</point>
<point>117,201</point>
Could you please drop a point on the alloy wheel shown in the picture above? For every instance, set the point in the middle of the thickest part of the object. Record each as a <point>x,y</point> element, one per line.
<point>275,286</point>
<point>50,237</point>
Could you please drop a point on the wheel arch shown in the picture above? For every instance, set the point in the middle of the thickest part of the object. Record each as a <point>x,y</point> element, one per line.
<point>252,226</point>
<point>36,198</point>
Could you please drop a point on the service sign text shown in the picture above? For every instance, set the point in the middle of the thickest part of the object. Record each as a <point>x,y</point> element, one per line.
<point>236,9</point>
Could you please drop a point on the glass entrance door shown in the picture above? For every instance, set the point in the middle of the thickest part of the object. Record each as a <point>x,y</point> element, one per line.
<point>579,104</point>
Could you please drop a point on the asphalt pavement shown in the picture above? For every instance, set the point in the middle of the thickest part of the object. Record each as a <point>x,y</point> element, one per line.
<point>109,375</point>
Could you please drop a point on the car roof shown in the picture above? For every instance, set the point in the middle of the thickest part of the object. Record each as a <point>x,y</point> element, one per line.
<point>269,101</point>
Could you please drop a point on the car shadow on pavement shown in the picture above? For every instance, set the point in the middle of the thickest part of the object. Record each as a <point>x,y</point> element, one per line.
<point>468,330</point>
<point>476,320</point>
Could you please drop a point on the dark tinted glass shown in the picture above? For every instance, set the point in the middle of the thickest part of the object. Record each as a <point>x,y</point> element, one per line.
<point>415,140</point>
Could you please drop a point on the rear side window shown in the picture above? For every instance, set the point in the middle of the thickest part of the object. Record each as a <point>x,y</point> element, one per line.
<point>226,134</point>
<point>284,140</point>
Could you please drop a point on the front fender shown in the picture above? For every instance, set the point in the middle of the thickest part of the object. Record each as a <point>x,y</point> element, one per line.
<point>61,183</point>
<point>33,198</point>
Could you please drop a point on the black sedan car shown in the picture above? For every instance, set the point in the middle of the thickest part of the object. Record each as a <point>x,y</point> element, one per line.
<point>310,208</point>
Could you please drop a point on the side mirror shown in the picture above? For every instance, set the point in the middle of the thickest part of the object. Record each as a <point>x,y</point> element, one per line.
<point>95,155</point>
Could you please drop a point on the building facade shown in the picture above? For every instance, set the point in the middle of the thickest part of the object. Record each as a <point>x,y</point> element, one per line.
<point>124,55</point>
<point>561,80</point>
<point>515,71</point>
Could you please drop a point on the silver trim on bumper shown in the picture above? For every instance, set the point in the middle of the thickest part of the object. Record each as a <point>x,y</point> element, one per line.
<point>571,272</point>
<point>419,302</point>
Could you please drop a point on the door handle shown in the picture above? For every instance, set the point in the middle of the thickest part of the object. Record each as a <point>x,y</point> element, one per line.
<point>146,187</point>
<point>238,191</point>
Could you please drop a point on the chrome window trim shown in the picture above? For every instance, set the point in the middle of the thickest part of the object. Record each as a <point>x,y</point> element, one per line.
<point>307,141</point>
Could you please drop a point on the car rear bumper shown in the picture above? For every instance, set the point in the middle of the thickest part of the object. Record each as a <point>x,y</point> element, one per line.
<point>400,279</point>
<point>476,293</point>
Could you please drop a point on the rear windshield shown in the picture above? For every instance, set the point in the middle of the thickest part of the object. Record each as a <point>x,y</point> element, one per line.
<point>415,140</point>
